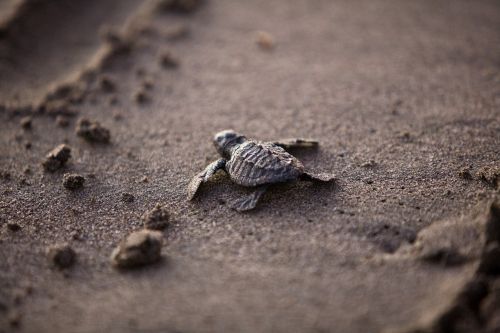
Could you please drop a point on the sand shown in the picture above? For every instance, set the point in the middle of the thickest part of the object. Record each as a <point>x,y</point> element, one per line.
<point>402,96</point>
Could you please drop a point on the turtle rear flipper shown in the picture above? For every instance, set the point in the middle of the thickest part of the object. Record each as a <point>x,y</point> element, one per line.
<point>296,143</point>
<point>318,177</point>
<point>203,176</point>
<point>250,201</point>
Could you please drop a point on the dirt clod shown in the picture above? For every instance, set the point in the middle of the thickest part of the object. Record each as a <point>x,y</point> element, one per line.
<point>138,249</point>
<point>117,41</point>
<point>179,6</point>
<point>62,121</point>
<point>14,318</point>
<point>13,226</point>
<point>490,175</point>
<point>141,97</point>
<point>26,122</point>
<point>369,164</point>
<point>465,173</point>
<point>168,61</point>
<point>127,197</point>
<point>75,235</point>
<point>113,100</point>
<point>107,84</point>
<point>58,107</point>
<point>147,84</point>
<point>5,175</point>
<point>57,158</point>
<point>156,219</point>
<point>61,255</point>
<point>73,181</point>
<point>176,32</point>
<point>92,131</point>
<point>405,136</point>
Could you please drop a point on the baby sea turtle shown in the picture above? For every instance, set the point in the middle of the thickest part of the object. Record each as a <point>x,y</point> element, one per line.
<point>256,164</point>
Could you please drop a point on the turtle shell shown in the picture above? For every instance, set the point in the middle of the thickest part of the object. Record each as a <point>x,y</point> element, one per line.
<point>257,163</point>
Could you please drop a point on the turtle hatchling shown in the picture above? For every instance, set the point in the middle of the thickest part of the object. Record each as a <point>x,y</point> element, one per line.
<point>256,164</point>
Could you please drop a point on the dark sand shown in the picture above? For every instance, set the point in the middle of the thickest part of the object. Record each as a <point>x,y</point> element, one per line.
<point>403,96</point>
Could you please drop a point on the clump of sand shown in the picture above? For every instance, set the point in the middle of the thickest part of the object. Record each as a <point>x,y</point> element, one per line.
<point>138,249</point>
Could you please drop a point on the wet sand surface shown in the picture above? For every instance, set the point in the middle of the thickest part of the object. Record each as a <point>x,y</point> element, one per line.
<point>403,97</point>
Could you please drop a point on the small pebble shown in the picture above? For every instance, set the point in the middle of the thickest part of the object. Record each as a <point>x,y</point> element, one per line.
<point>138,249</point>
<point>73,181</point>
<point>57,158</point>
<point>264,40</point>
<point>61,255</point>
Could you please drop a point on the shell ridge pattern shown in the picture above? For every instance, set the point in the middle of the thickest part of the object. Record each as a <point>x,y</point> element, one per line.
<point>255,163</point>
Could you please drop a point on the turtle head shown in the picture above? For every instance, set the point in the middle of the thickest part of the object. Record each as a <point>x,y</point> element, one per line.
<point>226,140</point>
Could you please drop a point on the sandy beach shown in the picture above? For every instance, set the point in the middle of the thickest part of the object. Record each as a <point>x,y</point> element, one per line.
<point>403,97</point>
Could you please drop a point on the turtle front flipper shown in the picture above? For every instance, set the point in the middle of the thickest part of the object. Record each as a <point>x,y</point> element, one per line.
<point>296,143</point>
<point>250,201</point>
<point>203,176</point>
<point>318,177</point>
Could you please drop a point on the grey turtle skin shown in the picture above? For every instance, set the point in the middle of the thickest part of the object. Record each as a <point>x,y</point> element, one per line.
<point>256,164</point>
